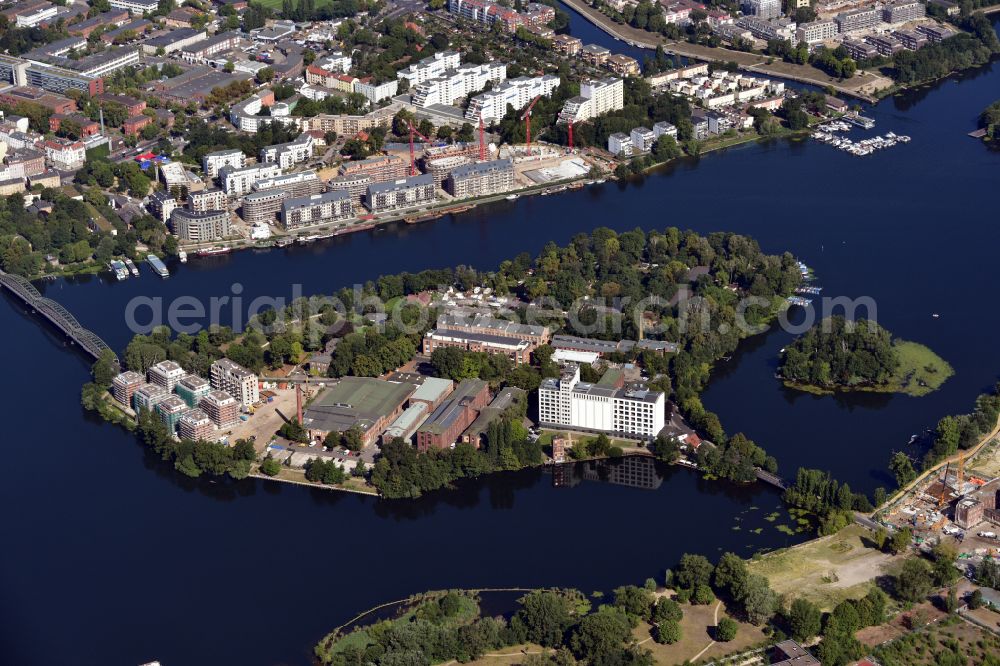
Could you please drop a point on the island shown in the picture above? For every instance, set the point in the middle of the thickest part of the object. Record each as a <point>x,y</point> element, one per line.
<point>842,355</point>
<point>989,123</point>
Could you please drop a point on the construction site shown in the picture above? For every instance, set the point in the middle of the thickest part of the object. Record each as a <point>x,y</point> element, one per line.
<point>956,500</point>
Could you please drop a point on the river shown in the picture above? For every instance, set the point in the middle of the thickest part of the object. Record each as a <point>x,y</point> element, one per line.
<point>113,559</point>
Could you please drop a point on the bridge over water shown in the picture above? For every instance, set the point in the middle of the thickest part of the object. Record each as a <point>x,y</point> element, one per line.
<point>59,316</point>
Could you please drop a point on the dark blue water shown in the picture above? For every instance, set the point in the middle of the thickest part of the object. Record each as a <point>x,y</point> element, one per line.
<point>583,29</point>
<point>110,558</point>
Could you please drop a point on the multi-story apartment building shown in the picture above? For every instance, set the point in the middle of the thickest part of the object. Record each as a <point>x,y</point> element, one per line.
<point>401,193</point>
<point>380,168</point>
<point>441,167</point>
<point>442,429</point>
<point>859,50</point>
<point>147,396</point>
<point>206,200</point>
<point>237,182</point>
<point>31,14</point>
<point>596,97</point>
<point>202,50</point>
<point>192,389</point>
<point>135,6</point>
<point>356,186</point>
<point>620,144</point>
<point>170,411</point>
<point>887,45</point>
<point>903,11</point>
<point>195,425</point>
<point>567,45</point>
<point>642,139</point>
<point>568,402</point>
<point>200,227</point>
<point>327,207</point>
<point>166,374</point>
<point>622,65</point>
<point>236,381</point>
<point>911,39</point>
<point>484,11</point>
<point>858,19</point>
<point>816,32</point>
<point>454,84</point>
<point>765,9</point>
<point>247,117</point>
<point>124,386</point>
<point>430,68</point>
<point>935,33</point>
<point>594,54</point>
<point>664,128</point>
<point>517,92</point>
<point>64,154</point>
<point>161,205</point>
<point>289,154</point>
<point>376,92</point>
<point>222,408</point>
<point>299,184</point>
<point>262,207</point>
<point>348,124</point>
<point>481,179</point>
<point>211,163</point>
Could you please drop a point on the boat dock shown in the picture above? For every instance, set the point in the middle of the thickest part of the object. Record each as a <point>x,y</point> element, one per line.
<point>798,300</point>
<point>860,121</point>
<point>811,291</point>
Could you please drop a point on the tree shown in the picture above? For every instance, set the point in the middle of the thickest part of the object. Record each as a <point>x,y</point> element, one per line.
<point>666,610</point>
<point>726,630</point>
<point>759,600</point>
<point>804,619</point>
<point>900,540</point>
<point>702,595</point>
<point>951,601</point>
<point>976,599</point>
<point>913,583</point>
<point>353,439</point>
<point>600,634</point>
<point>902,468</point>
<point>270,466</point>
<point>730,575</point>
<point>692,571</point>
<point>667,633</point>
<point>546,616</point>
<point>943,556</point>
<point>105,369</point>
<point>636,602</point>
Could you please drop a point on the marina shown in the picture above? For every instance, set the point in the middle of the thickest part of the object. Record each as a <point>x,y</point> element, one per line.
<point>827,134</point>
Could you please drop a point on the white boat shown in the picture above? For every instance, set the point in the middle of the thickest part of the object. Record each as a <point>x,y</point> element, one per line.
<point>511,197</point>
<point>158,266</point>
<point>182,256</point>
<point>935,315</point>
<point>119,269</point>
<point>131,267</point>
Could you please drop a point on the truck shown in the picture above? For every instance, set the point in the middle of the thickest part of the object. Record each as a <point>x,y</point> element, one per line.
<point>988,535</point>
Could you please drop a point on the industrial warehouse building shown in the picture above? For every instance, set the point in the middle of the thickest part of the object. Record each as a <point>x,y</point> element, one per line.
<point>365,403</point>
<point>454,415</point>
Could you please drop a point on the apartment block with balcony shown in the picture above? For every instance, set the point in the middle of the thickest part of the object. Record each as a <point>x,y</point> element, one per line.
<point>166,374</point>
<point>236,380</point>
<point>400,194</point>
<point>328,207</point>
<point>222,408</point>
<point>124,386</point>
<point>481,179</point>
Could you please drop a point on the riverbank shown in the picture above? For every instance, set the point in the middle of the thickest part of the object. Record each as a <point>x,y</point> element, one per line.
<point>863,87</point>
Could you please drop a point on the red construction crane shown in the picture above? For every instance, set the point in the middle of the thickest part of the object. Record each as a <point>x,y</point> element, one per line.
<point>413,163</point>
<point>571,135</point>
<point>482,140</point>
<point>526,117</point>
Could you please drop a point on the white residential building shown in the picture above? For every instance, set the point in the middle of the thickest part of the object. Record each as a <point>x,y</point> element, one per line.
<point>596,97</point>
<point>212,162</point>
<point>336,61</point>
<point>135,6</point>
<point>376,92</point>
<point>454,84</point>
<point>430,68</point>
<point>568,402</point>
<point>642,139</point>
<point>237,182</point>
<point>664,128</point>
<point>235,380</point>
<point>816,32</point>
<point>34,16</point>
<point>518,93</point>
<point>765,9</point>
<point>166,374</point>
<point>286,155</point>
<point>620,144</point>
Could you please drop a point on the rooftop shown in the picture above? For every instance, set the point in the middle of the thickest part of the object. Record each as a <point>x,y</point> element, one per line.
<point>355,401</point>
<point>446,413</point>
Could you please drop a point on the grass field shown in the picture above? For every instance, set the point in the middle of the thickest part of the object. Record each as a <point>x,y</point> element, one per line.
<point>696,636</point>
<point>826,570</point>
<point>545,439</point>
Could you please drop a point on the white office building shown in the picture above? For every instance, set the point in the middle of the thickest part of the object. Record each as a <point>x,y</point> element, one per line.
<point>568,402</point>
<point>237,182</point>
<point>287,155</point>
<point>518,93</point>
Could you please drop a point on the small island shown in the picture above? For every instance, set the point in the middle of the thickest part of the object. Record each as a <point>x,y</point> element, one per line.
<point>989,122</point>
<point>841,355</point>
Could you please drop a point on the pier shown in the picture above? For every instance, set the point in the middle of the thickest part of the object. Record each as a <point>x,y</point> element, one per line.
<point>59,316</point>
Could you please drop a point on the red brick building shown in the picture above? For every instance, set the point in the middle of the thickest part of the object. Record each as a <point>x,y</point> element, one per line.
<point>134,125</point>
<point>51,101</point>
<point>87,126</point>
<point>132,105</point>
<point>454,415</point>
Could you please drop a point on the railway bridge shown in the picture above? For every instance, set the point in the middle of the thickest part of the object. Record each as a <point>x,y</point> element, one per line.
<point>59,316</point>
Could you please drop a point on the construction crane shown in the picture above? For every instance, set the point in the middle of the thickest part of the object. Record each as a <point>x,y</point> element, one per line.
<point>482,140</point>
<point>526,117</point>
<point>960,477</point>
<point>944,486</point>
<point>413,163</point>
<point>571,135</point>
